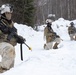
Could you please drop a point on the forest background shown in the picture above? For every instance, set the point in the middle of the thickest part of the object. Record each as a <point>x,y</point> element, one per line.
<point>35,12</point>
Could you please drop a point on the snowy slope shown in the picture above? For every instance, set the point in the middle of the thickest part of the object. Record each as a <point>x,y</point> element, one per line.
<point>60,61</point>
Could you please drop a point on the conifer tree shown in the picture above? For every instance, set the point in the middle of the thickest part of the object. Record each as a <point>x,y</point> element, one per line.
<point>23,11</point>
<point>29,12</point>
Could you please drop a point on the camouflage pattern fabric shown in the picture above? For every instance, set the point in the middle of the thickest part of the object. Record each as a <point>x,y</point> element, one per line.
<point>7,52</point>
<point>72,32</point>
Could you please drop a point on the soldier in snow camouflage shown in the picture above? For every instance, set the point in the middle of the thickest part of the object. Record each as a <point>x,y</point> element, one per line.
<point>50,36</point>
<point>72,31</point>
<point>7,50</point>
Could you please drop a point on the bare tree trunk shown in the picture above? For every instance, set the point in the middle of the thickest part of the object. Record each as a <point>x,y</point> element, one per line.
<point>43,14</point>
<point>61,7</point>
<point>68,9</point>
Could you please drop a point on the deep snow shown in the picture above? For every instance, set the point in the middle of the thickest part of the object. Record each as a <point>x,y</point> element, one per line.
<point>60,61</point>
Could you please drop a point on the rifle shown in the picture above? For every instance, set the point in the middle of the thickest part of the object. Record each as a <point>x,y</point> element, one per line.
<point>12,32</point>
<point>22,51</point>
<point>20,40</point>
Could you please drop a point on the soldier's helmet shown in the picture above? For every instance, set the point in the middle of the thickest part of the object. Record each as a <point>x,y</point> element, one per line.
<point>48,21</point>
<point>50,18</point>
<point>72,24</point>
<point>6,8</point>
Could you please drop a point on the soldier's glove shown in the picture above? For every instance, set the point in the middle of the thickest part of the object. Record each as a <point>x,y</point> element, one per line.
<point>57,36</point>
<point>4,29</point>
<point>21,40</point>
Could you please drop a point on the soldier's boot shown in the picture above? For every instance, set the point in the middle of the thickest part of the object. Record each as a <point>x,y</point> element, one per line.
<point>55,46</point>
<point>2,70</point>
<point>75,38</point>
<point>72,38</point>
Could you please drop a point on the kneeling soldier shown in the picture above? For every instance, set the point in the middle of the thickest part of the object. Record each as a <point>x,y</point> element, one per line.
<point>52,37</point>
<point>72,31</point>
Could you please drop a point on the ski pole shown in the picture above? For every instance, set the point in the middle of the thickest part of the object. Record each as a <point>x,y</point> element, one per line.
<point>28,46</point>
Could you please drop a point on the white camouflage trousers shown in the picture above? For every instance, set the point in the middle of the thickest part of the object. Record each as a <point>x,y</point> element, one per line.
<point>7,52</point>
<point>50,44</point>
<point>72,36</point>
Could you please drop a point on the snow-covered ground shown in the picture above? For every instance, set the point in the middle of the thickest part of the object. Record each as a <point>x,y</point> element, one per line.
<point>60,61</point>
